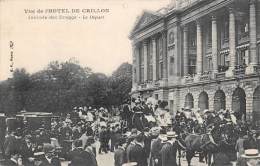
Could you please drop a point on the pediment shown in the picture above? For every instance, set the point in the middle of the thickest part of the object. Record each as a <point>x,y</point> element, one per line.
<point>145,19</point>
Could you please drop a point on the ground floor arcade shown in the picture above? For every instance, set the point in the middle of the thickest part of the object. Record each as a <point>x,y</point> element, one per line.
<point>241,96</point>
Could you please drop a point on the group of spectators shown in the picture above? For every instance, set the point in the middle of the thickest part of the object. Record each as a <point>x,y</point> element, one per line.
<point>84,133</point>
<point>70,137</point>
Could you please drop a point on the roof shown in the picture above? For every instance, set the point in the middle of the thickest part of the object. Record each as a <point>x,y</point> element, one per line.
<point>146,18</point>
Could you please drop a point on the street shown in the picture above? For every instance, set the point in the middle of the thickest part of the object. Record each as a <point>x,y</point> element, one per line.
<point>108,160</point>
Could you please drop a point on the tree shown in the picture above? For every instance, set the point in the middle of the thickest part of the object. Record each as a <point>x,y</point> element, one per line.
<point>97,89</point>
<point>120,83</point>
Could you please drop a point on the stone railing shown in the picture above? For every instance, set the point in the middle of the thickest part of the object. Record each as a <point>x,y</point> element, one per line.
<point>205,76</point>
<point>257,69</point>
<point>220,75</point>
<point>143,85</point>
<point>156,83</point>
<point>189,78</point>
<point>239,70</point>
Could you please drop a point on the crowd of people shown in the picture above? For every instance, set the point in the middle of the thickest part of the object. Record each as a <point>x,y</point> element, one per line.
<point>141,133</point>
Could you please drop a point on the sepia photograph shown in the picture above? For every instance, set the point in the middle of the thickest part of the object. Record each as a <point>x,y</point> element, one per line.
<point>129,82</point>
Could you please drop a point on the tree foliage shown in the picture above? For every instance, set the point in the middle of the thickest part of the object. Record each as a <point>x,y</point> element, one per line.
<point>61,86</point>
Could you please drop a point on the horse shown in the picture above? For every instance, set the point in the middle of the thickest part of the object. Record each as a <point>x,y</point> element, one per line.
<point>221,138</point>
<point>206,143</point>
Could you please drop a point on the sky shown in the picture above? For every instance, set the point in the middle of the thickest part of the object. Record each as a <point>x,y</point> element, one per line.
<point>100,44</point>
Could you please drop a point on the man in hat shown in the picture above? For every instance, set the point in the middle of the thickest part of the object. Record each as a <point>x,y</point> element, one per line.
<point>76,156</point>
<point>120,152</point>
<point>79,157</point>
<point>130,146</point>
<point>137,153</point>
<point>156,146</point>
<point>27,150</point>
<point>103,140</point>
<point>15,159</point>
<point>169,150</point>
<point>49,158</point>
<point>76,131</point>
<point>9,143</point>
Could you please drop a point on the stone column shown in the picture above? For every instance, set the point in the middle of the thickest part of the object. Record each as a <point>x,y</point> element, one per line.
<point>165,63</point>
<point>214,45</point>
<point>185,50</point>
<point>253,37</point>
<point>154,59</point>
<point>138,67</point>
<point>145,60</point>
<point>232,42</point>
<point>134,67</point>
<point>199,49</point>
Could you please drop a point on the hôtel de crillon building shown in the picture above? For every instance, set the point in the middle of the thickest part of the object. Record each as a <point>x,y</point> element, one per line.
<point>201,54</point>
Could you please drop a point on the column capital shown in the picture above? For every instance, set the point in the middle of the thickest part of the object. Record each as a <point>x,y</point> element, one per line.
<point>185,28</point>
<point>214,18</point>
<point>164,33</point>
<point>153,37</point>
<point>198,22</point>
<point>231,8</point>
<point>145,42</point>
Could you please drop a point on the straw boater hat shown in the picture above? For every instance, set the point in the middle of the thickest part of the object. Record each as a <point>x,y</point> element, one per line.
<point>171,134</point>
<point>251,154</point>
<point>48,148</point>
<point>163,137</point>
<point>206,111</point>
<point>130,164</point>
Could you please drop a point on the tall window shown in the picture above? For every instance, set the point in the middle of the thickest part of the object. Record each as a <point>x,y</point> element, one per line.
<point>192,37</point>
<point>210,36</point>
<point>223,62</point>
<point>243,57</point>
<point>160,57</point>
<point>135,74</point>
<point>150,60</point>
<point>192,66</point>
<point>225,30</point>
<point>171,105</point>
<point>171,64</point>
<point>209,63</point>
<point>243,28</point>
<point>141,64</point>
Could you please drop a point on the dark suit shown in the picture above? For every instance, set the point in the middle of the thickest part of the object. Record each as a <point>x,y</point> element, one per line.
<point>54,162</point>
<point>128,150</point>
<point>79,157</point>
<point>9,145</point>
<point>8,163</point>
<point>26,152</point>
<point>137,154</point>
<point>156,146</point>
<point>168,154</point>
<point>120,156</point>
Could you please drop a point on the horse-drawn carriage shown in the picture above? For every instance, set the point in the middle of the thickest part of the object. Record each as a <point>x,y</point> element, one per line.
<point>35,120</point>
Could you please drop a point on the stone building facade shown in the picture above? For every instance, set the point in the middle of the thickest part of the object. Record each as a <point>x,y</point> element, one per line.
<point>202,54</point>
